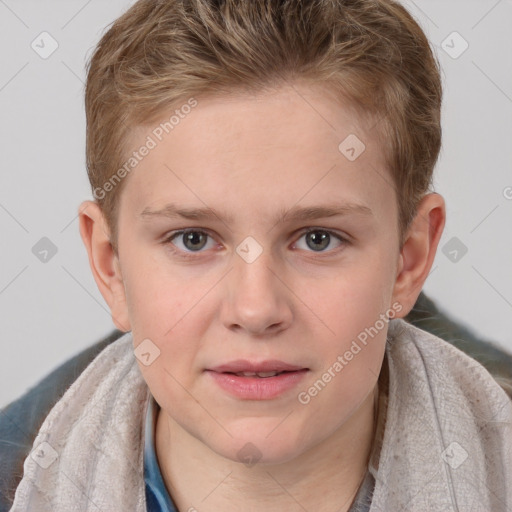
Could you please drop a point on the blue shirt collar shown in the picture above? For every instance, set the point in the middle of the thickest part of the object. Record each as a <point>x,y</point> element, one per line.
<point>157,496</point>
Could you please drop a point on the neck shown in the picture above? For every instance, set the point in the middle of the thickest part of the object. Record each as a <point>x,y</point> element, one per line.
<point>323,478</point>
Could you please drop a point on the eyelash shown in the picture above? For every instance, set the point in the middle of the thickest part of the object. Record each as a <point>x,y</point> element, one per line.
<point>167,241</point>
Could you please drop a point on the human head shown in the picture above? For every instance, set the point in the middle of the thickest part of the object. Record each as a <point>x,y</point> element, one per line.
<point>249,154</point>
<point>163,53</point>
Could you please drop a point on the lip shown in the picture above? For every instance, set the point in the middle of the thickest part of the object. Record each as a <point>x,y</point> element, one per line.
<point>242,365</point>
<point>257,388</point>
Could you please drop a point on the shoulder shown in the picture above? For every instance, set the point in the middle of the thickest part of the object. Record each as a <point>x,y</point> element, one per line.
<point>496,360</point>
<point>20,420</point>
<point>442,404</point>
<point>441,362</point>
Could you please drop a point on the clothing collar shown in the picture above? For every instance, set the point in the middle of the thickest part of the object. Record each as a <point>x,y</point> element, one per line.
<point>157,496</point>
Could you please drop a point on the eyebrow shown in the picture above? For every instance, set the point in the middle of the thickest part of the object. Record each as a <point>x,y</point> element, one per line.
<point>295,213</point>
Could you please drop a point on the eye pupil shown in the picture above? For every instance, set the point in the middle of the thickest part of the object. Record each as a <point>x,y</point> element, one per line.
<point>195,238</point>
<point>319,239</point>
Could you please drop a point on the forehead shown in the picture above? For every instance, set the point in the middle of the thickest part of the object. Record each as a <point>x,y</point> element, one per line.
<point>261,154</point>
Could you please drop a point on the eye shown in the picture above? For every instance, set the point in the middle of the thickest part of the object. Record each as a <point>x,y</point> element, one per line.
<point>189,240</point>
<point>319,239</point>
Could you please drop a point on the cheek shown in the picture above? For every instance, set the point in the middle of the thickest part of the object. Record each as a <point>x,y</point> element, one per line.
<point>351,299</point>
<point>156,298</point>
<point>163,310</point>
<point>337,392</point>
<point>351,351</point>
<point>168,320</point>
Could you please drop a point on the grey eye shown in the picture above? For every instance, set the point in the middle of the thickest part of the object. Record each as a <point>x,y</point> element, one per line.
<point>194,240</point>
<point>191,241</point>
<point>318,240</point>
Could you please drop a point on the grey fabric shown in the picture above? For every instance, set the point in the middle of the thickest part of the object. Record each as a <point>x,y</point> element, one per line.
<point>446,445</point>
<point>21,420</point>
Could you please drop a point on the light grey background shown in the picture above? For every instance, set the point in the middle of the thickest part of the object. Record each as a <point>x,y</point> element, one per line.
<point>50,311</point>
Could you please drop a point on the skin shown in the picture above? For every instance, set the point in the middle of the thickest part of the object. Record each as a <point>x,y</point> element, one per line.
<point>249,158</point>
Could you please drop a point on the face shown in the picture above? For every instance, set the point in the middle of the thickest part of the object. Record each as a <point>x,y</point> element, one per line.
<point>249,243</point>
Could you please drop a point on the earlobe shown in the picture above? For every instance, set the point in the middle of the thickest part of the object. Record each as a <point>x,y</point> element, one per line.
<point>418,251</point>
<point>104,262</point>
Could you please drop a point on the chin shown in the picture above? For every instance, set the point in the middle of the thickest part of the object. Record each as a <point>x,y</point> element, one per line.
<point>252,446</point>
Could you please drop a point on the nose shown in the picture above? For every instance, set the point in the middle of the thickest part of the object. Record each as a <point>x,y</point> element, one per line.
<point>257,302</point>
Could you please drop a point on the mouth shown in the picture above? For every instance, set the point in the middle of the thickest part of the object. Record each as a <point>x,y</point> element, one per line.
<point>261,375</point>
<point>269,368</point>
<point>257,381</point>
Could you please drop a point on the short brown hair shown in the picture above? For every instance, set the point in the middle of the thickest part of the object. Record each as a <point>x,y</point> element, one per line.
<point>161,52</point>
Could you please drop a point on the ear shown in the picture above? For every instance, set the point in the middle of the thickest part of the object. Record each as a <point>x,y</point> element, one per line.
<point>418,251</point>
<point>104,262</point>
